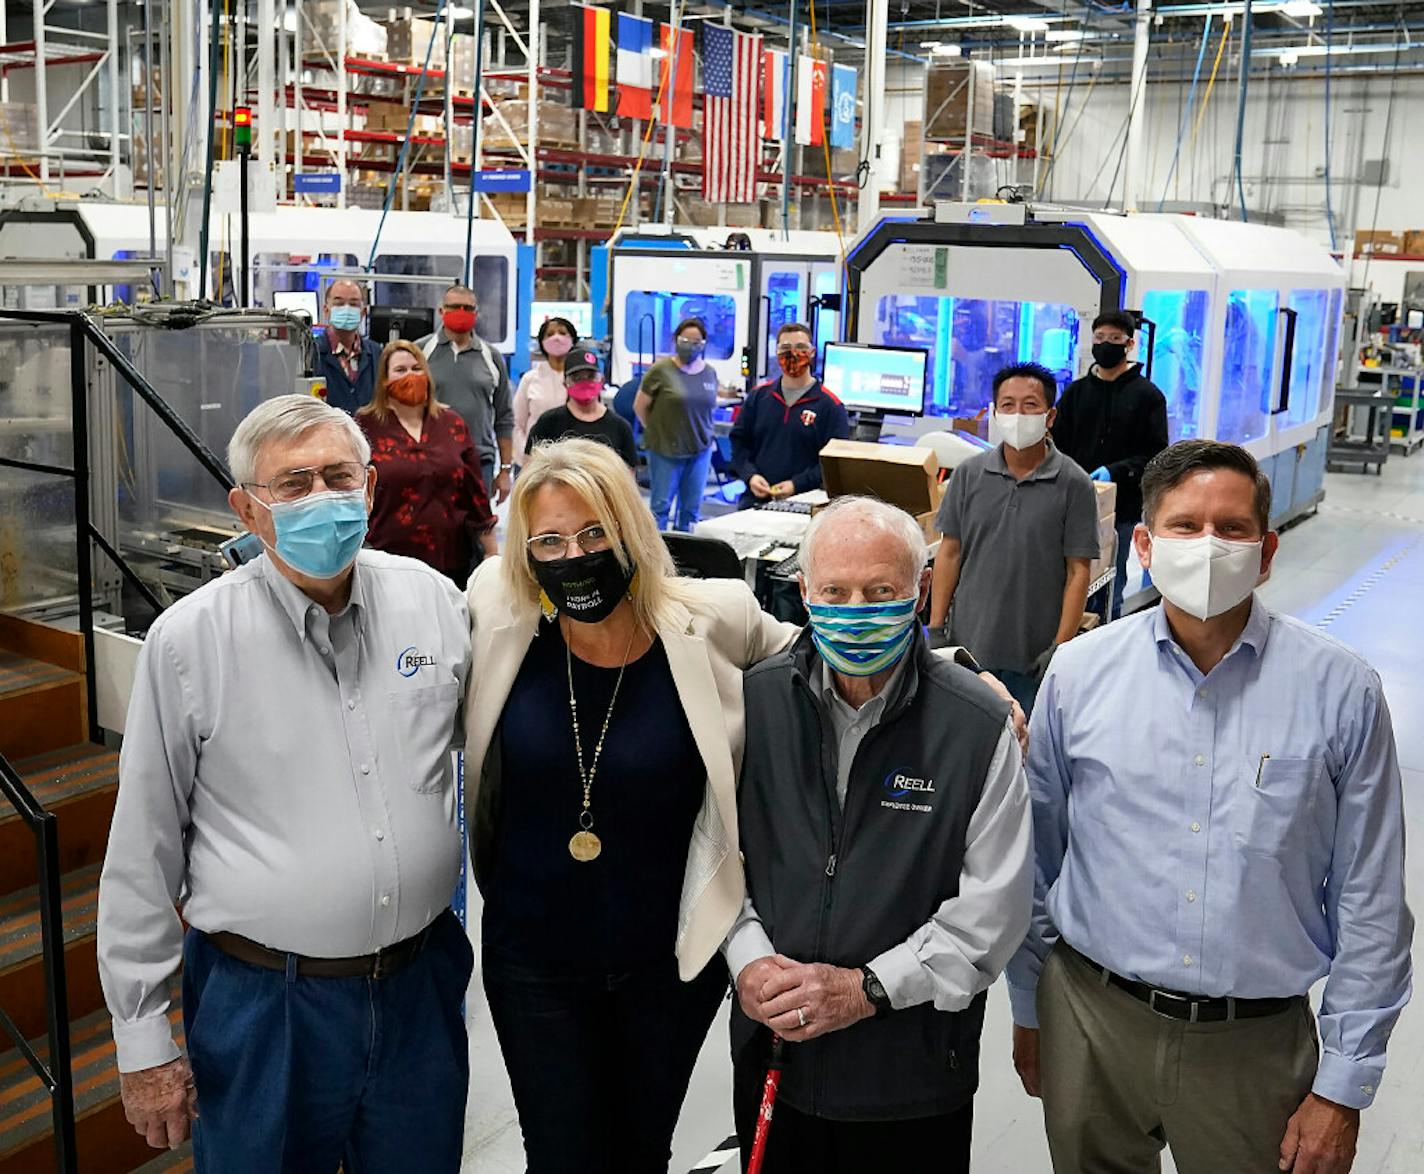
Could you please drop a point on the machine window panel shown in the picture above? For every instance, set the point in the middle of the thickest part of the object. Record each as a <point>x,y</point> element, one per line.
<point>490,281</point>
<point>828,322</point>
<point>1180,319</point>
<point>279,273</point>
<point>970,339</point>
<point>1247,364</point>
<point>783,291</point>
<point>1309,358</point>
<point>651,316</point>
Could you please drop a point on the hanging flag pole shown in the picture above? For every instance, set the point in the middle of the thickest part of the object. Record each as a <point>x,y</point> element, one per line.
<point>787,115</point>
<point>669,102</point>
<point>475,139</point>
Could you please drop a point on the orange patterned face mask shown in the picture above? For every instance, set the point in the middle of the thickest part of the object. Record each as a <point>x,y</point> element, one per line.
<point>411,389</point>
<point>794,363</point>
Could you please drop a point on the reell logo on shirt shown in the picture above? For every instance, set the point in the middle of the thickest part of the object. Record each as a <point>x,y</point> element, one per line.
<point>409,661</point>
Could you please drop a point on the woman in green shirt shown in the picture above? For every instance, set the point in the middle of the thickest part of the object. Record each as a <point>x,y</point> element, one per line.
<point>675,404</point>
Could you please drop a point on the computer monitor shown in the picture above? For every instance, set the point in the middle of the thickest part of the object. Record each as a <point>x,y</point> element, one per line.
<point>298,301</point>
<point>876,380</point>
<point>579,313</point>
<point>388,323</point>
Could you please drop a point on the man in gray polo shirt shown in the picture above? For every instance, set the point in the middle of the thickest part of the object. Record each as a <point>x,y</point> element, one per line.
<point>1020,527</point>
<point>470,376</point>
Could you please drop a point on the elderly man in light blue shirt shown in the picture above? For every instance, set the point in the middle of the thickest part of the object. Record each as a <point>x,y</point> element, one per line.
<point>1218,825</point>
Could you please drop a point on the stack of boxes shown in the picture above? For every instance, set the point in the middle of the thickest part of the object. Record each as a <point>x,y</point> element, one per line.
<point>1107,529</point>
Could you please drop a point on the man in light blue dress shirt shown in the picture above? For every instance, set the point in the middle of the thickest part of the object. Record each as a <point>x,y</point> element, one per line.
<point>1218,825</point>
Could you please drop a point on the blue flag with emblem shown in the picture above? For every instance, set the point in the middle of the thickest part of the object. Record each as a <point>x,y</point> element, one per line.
<point>842,106</point>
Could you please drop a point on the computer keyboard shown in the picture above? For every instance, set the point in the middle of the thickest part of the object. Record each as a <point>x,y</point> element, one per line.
<point>787,507</point>
<point>787,568</point>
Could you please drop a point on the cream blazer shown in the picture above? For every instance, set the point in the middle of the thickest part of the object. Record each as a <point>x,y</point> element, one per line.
<point>708,646</point>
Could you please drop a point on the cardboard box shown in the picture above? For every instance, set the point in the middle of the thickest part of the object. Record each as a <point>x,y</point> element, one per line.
<point>911,148</point>
<point>408,39</point>
<point>904,476</point>
<point>1107,549</point>
<point>1413,245</point>
<point>951,88</point>
<point>1107,499</point>
<point>972,425</point>
<point>1378,242</point>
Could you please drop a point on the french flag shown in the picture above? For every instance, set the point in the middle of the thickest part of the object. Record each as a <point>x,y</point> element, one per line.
<point>776,83</point>
<point>635,66</point>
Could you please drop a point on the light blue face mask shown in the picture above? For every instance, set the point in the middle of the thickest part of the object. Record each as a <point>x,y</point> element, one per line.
<point>319,535</point>
<point>345,317</point>
<point>862,639</point>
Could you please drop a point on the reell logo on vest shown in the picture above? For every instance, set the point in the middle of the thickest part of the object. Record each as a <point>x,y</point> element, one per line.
<point>898,784</point>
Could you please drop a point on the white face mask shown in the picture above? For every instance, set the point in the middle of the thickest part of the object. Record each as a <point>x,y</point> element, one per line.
<point>1020,431</point>
<point>1205,576</point>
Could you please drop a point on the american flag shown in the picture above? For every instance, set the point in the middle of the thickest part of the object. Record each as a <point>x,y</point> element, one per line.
<point>731,149</point>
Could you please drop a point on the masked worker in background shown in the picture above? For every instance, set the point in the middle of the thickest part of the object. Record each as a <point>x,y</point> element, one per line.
<point>1113,421</point>
<point>345,358</point>
<point>1218,824</point>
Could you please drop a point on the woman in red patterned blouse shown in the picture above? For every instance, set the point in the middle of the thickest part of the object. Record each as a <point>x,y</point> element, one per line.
<point>431,502</point>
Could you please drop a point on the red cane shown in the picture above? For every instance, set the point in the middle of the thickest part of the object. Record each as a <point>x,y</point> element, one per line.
<point>768,1106</point>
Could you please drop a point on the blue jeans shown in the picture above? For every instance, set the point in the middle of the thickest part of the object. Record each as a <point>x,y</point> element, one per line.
<point>599,1063</point>
<point>685,477</point>
<point>302,1075</point>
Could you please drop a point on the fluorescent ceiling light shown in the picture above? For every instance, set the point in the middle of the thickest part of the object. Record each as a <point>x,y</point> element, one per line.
<point>1063,35</point>
<point>1054,62</point>
<point>1027,24</point>
<point>930,44</point>
<point>1301,9</point>
<point>947,51</point>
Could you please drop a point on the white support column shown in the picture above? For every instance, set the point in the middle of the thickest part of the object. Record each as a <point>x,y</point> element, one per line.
<point>298,114</point>
<point>872,112</point>
<point>119,188</point>
<point>341,115</point>
<point>538,49</point>
<point>5,40</point>
<point>268,30</point>
<point>41,91</point>
<point>1134,167</point>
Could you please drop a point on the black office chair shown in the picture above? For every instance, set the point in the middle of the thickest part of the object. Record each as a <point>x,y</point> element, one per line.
<point>697,557</point>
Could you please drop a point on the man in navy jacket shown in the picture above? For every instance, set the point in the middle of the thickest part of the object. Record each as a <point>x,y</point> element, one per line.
<point>784,424</point>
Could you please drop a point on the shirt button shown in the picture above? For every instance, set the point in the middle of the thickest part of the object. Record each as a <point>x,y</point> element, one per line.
<point>380,835</point>
<point>1196,827</point>
<point>325,651</point>
<point>1201,692</point>
<point>1186,959</point>
<point>386,900</point>
<point>1191,893</point>
<point>1199,760</point>
<point>1368,1089</point>
<point>365,768</point>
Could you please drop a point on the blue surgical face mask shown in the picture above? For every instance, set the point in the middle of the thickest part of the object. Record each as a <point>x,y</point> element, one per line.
<point>319,535</point>
<point>862,639</point>
<point>345,317</point>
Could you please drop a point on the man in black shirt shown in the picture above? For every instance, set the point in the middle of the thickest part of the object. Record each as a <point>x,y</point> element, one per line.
<point>1113,421</point>
<point>585,414</point>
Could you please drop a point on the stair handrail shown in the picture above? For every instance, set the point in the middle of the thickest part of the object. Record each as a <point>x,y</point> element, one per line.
<point>56,1075</point>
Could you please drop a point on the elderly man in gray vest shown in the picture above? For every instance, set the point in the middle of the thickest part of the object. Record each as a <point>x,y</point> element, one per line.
<point>286,781</point>
<point>885,825</point>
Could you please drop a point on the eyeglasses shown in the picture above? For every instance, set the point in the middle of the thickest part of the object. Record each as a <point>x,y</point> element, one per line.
<point>341,477</point>
<point>1117,338</point>
<point>795,349</point>
<point>590,540</point>
<point>460,306</point>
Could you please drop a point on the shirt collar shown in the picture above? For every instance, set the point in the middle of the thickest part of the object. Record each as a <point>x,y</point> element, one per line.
<point>1047,470</point>
<point>875,707</point>
<point>1254,636</point>
<point>299,607</point>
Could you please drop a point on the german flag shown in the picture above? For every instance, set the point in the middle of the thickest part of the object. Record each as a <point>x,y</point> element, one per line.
<point>591,37</point>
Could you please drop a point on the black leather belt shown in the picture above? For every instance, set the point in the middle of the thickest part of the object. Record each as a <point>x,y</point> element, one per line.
<point>382,964</point>
<point>1184,1007</point>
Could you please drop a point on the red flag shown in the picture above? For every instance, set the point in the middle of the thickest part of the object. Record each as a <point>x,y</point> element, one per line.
<point>677,93</point>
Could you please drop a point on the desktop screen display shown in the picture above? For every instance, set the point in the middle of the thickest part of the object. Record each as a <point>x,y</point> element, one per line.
<point>579,313</point>
<point>885,380</point>
<point>301,301</point>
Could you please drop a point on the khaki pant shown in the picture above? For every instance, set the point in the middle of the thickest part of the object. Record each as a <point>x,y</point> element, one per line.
<point>1120,1081</point>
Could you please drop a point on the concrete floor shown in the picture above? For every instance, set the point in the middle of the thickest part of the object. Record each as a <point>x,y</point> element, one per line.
<point>1357,570</point>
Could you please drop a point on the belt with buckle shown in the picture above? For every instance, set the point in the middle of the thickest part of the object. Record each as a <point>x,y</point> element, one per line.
<point>1185,1007</point>
<point>382,964</point>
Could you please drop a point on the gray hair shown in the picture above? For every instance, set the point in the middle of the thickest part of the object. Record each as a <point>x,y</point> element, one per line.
<point>360,289</point>
<point>285,417</point>
<point>871,513</point>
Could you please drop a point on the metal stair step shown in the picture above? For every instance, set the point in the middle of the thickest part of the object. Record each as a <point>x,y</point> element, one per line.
<point>79,784</point>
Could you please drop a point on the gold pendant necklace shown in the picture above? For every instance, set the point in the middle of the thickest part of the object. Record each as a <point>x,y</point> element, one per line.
<point>584,845</point>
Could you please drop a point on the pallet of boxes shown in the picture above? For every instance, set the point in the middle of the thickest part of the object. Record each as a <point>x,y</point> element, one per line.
<point>1107,543</point>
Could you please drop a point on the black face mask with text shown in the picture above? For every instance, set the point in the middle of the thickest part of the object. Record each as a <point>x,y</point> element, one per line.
<point>1108,355</point>
<point>586,588</point>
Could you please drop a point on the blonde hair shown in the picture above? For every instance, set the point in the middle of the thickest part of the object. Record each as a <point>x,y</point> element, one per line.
<point>597,474</point>
<point>380,406</point>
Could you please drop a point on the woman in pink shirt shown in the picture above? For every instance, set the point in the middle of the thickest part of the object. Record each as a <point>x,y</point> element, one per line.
<point>542,386</point>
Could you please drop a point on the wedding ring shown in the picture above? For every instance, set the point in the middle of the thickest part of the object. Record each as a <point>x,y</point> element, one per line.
<point>801,1015</point>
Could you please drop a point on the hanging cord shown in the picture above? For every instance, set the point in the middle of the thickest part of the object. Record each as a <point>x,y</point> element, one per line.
<point>214,52</point>
<point>1329,206</point>
<point>1187,112</point>
<point>227,220</point>
<point>1067,104</point>
<point>397,174</point>
<point>1241,107</point>
<point>476,134</point>
<point>1210,84</point>
<point>1068,135</point>
<point>826,146</point>
<point>635,179</point>
<point>1126,134</point>
<point>1384,156</point>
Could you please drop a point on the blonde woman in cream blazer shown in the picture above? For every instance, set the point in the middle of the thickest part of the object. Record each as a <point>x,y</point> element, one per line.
<point>607,895</point>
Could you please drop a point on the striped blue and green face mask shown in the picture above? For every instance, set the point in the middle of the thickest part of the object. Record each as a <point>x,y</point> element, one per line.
<point>862,639</point>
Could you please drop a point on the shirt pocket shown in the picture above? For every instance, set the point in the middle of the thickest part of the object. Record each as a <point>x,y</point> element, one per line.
<point>423,721</point>
<point>1280,801</point>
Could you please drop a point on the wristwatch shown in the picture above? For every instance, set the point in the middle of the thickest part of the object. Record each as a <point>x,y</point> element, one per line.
<point>506,468</point>
<point>875,993</point>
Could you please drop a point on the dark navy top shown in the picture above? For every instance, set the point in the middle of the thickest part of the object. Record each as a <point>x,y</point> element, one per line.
<point>619,911</point>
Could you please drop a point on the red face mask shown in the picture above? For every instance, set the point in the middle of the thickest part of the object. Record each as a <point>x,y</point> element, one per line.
<point>794,363</point>
<point>585,391</point>
<point>411,389</point>
<point>459,321</point>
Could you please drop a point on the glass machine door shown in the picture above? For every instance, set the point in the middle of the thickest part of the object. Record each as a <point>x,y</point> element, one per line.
<point>785,291</point>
